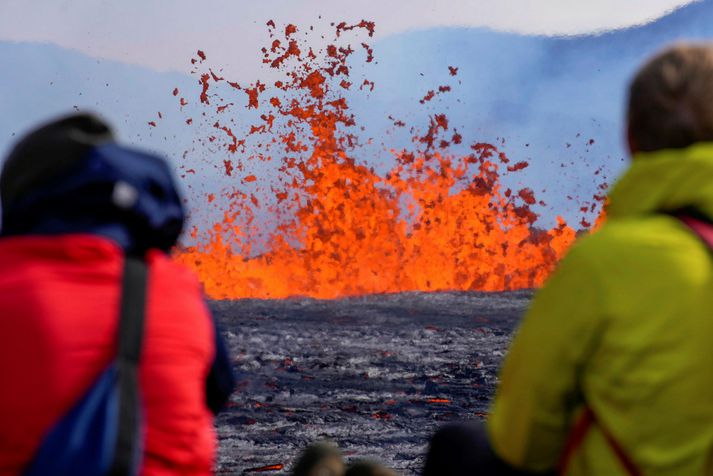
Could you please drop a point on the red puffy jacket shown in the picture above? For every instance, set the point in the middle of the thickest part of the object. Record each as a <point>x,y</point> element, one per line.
<point>59,309</point>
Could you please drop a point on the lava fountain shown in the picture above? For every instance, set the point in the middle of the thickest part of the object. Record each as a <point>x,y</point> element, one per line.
<point>437,220</point>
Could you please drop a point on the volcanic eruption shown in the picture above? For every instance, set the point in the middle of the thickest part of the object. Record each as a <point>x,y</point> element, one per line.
<point>438,219</point>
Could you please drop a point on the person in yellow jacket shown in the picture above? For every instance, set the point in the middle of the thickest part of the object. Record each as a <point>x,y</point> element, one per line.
<point>611,370</point>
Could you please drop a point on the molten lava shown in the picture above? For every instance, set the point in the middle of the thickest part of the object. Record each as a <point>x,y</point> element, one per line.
<point>438,220</point>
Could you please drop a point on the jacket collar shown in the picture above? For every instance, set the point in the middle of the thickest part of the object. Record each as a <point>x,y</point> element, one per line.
<point>666,181</point>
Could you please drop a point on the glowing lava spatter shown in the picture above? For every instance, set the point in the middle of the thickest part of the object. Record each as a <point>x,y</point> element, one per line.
<point>436,221</point>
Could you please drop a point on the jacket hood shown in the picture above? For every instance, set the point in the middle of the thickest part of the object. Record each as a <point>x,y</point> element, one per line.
<point>113,191</point>
<point>666,181</point>
<point>70,176</point>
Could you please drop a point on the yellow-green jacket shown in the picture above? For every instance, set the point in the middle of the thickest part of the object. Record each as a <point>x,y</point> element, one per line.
<point>625,324</point>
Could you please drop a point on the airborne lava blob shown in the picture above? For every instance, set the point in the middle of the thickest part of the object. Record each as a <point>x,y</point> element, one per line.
<point>438,220</point>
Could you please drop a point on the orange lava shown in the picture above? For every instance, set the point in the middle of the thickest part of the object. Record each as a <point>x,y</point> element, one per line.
<point>265,469</point>
<point>438,400</point>
<point>438,220</point>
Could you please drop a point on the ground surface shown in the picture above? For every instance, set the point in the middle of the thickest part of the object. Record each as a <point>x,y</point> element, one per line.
<point>375,374</point>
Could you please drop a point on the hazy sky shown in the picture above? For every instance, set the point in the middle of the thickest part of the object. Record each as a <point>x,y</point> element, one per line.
<point>164,34</point>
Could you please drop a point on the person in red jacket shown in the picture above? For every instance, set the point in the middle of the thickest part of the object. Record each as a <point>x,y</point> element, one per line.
<point>74,203</point>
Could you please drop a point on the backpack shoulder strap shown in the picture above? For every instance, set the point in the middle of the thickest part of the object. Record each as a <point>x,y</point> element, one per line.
<point>702,229</point>
<point>576,437</point>
<point>130,339</point>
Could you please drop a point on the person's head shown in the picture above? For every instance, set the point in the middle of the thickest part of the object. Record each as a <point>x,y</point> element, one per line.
<point>70,176</point>
<point>319,459</point>
<point>671,99</point>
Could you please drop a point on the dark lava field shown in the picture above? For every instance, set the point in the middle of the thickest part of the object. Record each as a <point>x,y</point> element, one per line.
<point>376,374</point>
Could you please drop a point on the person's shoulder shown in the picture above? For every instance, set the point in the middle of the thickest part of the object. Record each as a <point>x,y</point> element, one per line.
<point>645,230</point>
<point>656,237</point>
<point>31,254</point>
<point>176,294</point>
<point>171,272</point>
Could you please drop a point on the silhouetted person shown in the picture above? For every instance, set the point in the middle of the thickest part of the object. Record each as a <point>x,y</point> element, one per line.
<point>325,459</point>
<point>611,370</point>
<point>75,204</point>
<point>319,459</point>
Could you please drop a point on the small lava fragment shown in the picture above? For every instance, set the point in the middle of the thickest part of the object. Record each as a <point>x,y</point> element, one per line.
<point>265,469</point>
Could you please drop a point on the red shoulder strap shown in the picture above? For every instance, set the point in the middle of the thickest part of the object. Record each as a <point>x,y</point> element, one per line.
<point>576,438</point>
<point>702,229</point>
<point>574,441</point>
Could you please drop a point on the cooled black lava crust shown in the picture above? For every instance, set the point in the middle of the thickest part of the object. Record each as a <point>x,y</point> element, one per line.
<point>376,374</point>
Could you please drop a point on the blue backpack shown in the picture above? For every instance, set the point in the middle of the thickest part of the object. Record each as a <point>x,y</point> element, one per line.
<point>102,434</point>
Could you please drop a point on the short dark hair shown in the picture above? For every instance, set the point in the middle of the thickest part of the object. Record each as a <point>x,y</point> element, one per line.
<point>671,99</point>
